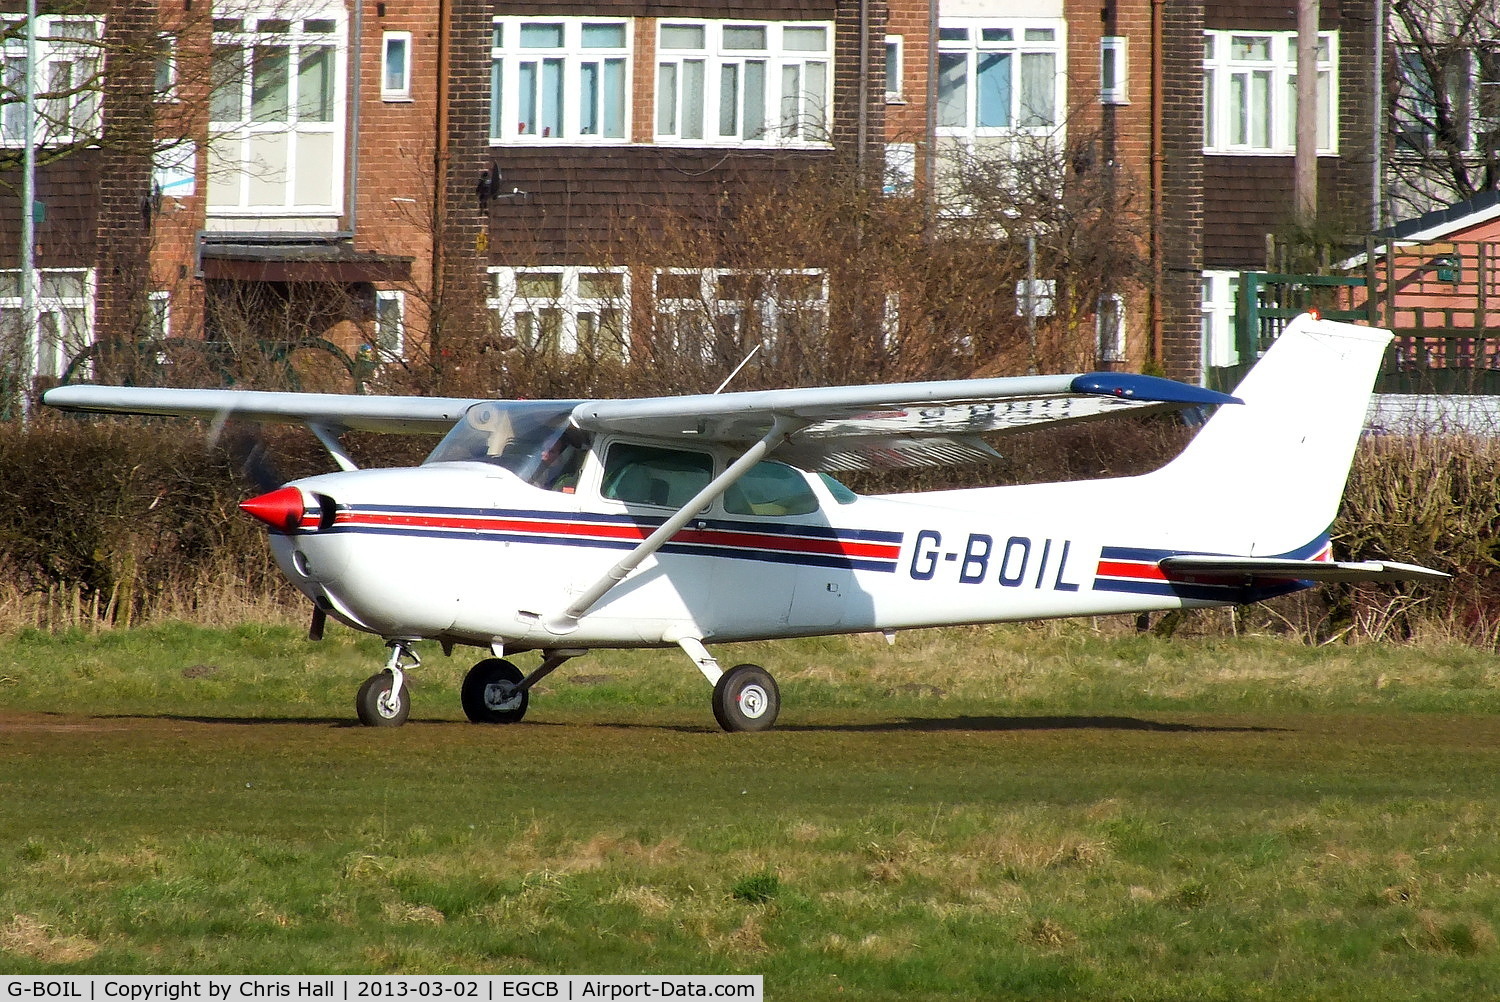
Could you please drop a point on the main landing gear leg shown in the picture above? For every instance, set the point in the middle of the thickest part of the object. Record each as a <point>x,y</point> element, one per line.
<point>494,691</point>
<point>745,697</point>
<point>384,700</point>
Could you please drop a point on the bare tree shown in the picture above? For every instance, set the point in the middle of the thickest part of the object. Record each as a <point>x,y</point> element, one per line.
<point>1443,95</point>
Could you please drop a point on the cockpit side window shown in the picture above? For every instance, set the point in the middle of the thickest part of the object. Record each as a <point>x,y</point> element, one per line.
<point>771,489</point>
<point>648,474</point>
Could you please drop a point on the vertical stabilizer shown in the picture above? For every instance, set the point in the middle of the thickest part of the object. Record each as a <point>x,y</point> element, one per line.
<point>1275,467</point>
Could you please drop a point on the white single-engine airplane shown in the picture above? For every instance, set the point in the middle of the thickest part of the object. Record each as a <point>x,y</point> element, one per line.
<point>564,526</point>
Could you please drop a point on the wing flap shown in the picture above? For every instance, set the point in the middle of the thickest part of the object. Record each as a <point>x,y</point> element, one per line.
<point>1238,568</point>
<point>884,426</point>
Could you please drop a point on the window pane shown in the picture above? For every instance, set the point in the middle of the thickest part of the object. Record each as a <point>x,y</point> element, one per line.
<point>744,37</point>
<point>993,81</point>
<point>666,99</point>
<point>497,35</point>
<point>815,101</point>
<point>953,34</point>
<point>268,84</point>
<point>805,39</point>
<point>679,286</point>
<point>694,80</point>
<point>315,84</point>
<point>613,99</point>
<point>552,97</point>
<point>791,98</point>
<point>997,35</point>
<point>755,100</point>
<point>588,99</point>
<point>539,285</point>
<point>497,94</point>
<point>682,36</point>
<point>395,64</point>
<point>318,26</point>
<point>953,89</point>
<point>604,36</point>
<point>1259,110</point>
<point>1250,47</point>
<point>729,99</point>
<point>892,68</point>
<point>541,36</point>
<point>526,95</point>
<point>601,285</point>
<point>226,103</point>
<point>1039,35</point>
<point>1038,88</point>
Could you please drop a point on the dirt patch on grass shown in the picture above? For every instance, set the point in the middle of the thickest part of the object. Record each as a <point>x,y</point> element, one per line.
<point>28,936</point>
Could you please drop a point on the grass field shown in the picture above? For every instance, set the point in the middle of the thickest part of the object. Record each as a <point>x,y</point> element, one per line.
<point>999,813</point>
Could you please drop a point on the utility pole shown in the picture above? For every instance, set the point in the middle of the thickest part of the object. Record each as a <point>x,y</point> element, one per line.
<point>1305,181</point>
<point>30,329</point>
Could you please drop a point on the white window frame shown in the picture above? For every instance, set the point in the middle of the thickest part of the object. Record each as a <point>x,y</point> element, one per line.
<point>588,81</point>
<point>239,143</point>
<point>393,348</point>
<point>72,315</point>
<point>1114,69</point>
<point>1228,124</point>
<point>164,85</point>
<point>768,313</point>
<point>895,69</point>
<point>159,305</point>
<point>575,311</point>
<point>984,39</point>
<point>1219,294</point>
<point>67,46</point>
<point>1109,327</point>
<point>695,105</point>
<point>401,91</point>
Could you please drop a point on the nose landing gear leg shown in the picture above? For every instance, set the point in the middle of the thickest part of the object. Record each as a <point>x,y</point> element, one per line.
<point>384,700</point>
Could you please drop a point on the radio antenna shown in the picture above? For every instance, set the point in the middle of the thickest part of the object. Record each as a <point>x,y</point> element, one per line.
<point>758,346</point>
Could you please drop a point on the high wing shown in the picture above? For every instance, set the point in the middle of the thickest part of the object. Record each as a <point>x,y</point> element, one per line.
<point>1241,568</point>
<point>828,428</point>
<point>893,425</point>
<point>335,411</point>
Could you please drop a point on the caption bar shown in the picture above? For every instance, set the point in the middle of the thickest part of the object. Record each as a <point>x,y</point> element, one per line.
<point>381,988</point>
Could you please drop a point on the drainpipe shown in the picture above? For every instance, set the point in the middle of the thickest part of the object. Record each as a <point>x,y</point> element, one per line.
<point>860,157</point>
<point>439,172</point>
<point>1378,111</point>
<point>1158,77</point>
<point>351,198</point>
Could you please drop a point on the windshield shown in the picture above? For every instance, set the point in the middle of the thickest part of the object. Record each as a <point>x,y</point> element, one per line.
<point>530,438</point>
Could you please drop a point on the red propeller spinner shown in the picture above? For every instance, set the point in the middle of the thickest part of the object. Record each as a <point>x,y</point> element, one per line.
<point>281,509</point>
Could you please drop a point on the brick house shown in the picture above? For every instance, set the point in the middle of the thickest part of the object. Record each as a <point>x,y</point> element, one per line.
<point>445,175</point>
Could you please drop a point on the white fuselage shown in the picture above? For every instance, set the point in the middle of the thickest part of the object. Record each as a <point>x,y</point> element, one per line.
<point>469,553</point>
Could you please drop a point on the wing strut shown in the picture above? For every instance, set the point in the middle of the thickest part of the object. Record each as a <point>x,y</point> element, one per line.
<point>567,620</point>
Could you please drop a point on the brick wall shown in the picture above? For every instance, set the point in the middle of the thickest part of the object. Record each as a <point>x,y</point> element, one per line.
<point>1182,223</point>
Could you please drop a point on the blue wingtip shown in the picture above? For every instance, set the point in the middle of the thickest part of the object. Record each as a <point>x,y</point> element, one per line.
<point>1133,386</point>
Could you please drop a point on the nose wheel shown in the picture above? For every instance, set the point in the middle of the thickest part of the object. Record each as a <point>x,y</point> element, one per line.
<point>381,703</point>
<point>384,700</point>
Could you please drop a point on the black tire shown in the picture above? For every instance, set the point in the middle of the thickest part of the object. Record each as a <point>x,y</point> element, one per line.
<point>373,703</point>
<point>480,704</point>
<point>746,699</point>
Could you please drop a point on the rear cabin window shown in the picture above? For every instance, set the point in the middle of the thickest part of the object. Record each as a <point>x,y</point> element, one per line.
<point>771,489</point>
<point>646,474</point>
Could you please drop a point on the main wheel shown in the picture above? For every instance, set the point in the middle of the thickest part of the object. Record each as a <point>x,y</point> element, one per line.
<point>488,694</point>
<point>375,706</point>
<point>746,699</point>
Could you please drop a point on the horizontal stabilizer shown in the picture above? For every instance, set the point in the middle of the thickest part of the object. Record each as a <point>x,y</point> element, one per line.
<point>1298,570</point>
